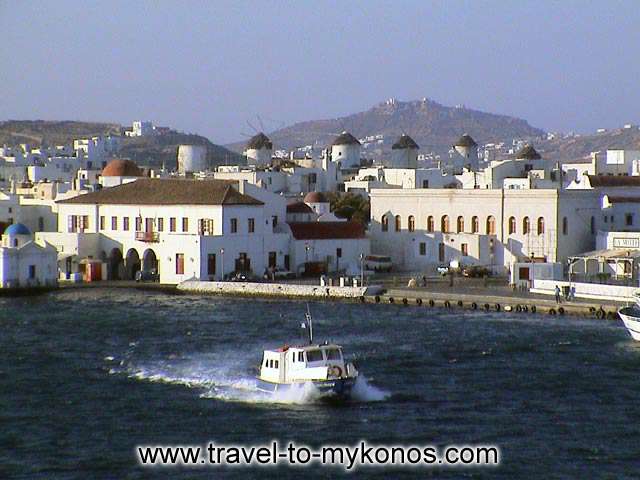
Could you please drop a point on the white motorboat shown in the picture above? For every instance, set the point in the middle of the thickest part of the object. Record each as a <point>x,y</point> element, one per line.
<point>631,317</point>
<point>322,365</point>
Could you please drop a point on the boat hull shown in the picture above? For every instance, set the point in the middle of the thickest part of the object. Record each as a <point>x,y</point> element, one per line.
<point>631,319</point>
<point>339,388</point>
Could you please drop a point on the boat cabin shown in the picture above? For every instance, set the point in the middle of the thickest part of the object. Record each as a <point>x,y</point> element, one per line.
<point>302,363</point>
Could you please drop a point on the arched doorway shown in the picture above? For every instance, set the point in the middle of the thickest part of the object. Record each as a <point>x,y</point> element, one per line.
<point>116,265</point>
<point>132,264</point>
<point>150,264</point>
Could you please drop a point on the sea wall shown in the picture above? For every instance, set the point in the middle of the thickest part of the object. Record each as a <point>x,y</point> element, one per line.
<point>276,289</point>
<point>595,291</point>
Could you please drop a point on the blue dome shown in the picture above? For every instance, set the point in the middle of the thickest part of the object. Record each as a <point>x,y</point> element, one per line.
<point>17,229</point>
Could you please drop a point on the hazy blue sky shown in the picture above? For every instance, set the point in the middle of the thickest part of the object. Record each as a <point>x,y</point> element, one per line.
<point>209,67</point>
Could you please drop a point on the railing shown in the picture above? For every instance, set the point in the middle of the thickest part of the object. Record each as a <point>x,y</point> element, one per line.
<point>147,236</point>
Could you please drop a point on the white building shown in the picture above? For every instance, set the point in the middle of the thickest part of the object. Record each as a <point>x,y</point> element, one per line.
<point>259,150</point>
<point>25,263</point>
<point>182,228</point>
<point>422,228</point>
<point>345,150</point>
<point>404,153</point>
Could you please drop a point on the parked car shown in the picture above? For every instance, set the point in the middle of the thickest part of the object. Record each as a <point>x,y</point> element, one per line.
<point>443,269</point>
<point>378,263</point>
<point>279,274</point>
<point>475,271</point>
<point>147,275</point>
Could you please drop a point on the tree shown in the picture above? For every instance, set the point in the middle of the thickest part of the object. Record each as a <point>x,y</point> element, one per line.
<point>350,206</point>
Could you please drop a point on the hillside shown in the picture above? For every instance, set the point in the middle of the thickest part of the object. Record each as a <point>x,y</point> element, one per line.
<point>147,151</point>
<point>575,147</point>
<point>434,126</point>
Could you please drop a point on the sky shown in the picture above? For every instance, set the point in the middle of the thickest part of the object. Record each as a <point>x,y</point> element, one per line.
<point>223,69</point>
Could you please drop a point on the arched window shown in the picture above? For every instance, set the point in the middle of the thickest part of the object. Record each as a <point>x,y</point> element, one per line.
<point>512,225</point>
<point>385,223</point>
<point>565,226</point>
<point>444,223</point>
<point>475,225</point>
<point>15,242</point>
<point>526,226</point>
<point>398,223</point>
<point>491,225</point>
<point>412,223</point>
<point>540,225</point>
<point>430,224</point>
<point>460,224</point>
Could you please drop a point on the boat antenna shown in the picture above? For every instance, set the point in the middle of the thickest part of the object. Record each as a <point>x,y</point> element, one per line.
<point>309,320</point>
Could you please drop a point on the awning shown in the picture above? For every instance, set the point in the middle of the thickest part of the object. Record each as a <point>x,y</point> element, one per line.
<point>606,254</point>
<point>65,255</point>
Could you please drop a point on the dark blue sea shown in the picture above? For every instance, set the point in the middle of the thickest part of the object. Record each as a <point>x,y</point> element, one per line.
<point>87,375</point>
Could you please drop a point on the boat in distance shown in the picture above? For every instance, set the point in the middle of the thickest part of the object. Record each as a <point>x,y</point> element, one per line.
<point>294,366</point>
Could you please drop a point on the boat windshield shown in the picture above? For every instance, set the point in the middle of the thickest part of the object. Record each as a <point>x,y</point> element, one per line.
<point>333,354</point>
<point>314,356</point>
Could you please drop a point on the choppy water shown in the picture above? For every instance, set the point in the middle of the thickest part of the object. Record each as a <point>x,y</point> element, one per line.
<point>87,375</point>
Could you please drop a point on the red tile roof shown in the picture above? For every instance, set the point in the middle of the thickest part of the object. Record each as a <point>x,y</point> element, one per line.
<point>147,191</point>
<point>597,181</point>
<point>624,199</point>
<point>299,207</point>
<point>326,230</point>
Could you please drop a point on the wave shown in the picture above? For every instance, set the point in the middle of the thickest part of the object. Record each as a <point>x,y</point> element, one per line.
<point>228,380</point>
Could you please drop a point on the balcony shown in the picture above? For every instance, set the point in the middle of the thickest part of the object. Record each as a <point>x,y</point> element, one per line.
<point>150,237</point>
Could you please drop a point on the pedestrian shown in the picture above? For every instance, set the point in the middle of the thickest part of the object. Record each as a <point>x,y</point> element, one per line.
<point>557,291</point>
<point>424,281</point>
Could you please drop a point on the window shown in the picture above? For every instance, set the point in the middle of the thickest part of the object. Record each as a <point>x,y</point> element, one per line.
<point>301,356</point>
<point>138,224</point>
<point>398,223</point>
<point>276,363</point>
<point>102,222</point>
<point>464,248</point>
<point>234,225</point>
<point>252,225</point>
<point>32,271</point>
<point>512,225</point>
<point>412,223</point>
<point>491,225</point>
<point>460,224</point>
<point>423,248</point>
<point>444,223</point>
<point>384,222</point>
<point>314,356</point>
<point>179,263</point>
<point>441,252</point>
<point>205,226</point>
<point>211,264</point>
<point>628,219</point>
<point>540,225</point>
<point>430,224</point>
<point>425,183</point>
<point>475,224</point>
<point>172,224</point>
<point>274,221</point>
<point>185,224</point>
<point>526,226</point>
<point>565,226</point>
<point>40,224</point>
<point>125,224</point>
<point>114,223</point>
<point>161,224</point>
<point>593,224</point>
<point>339,252</point>
<point>333,354</point>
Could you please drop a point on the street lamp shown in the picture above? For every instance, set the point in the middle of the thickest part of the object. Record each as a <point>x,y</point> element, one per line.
<point>362,269</point>
<point>222,263</point>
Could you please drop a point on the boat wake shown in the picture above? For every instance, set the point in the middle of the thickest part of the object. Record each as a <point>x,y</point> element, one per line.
<point>228,380</point>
